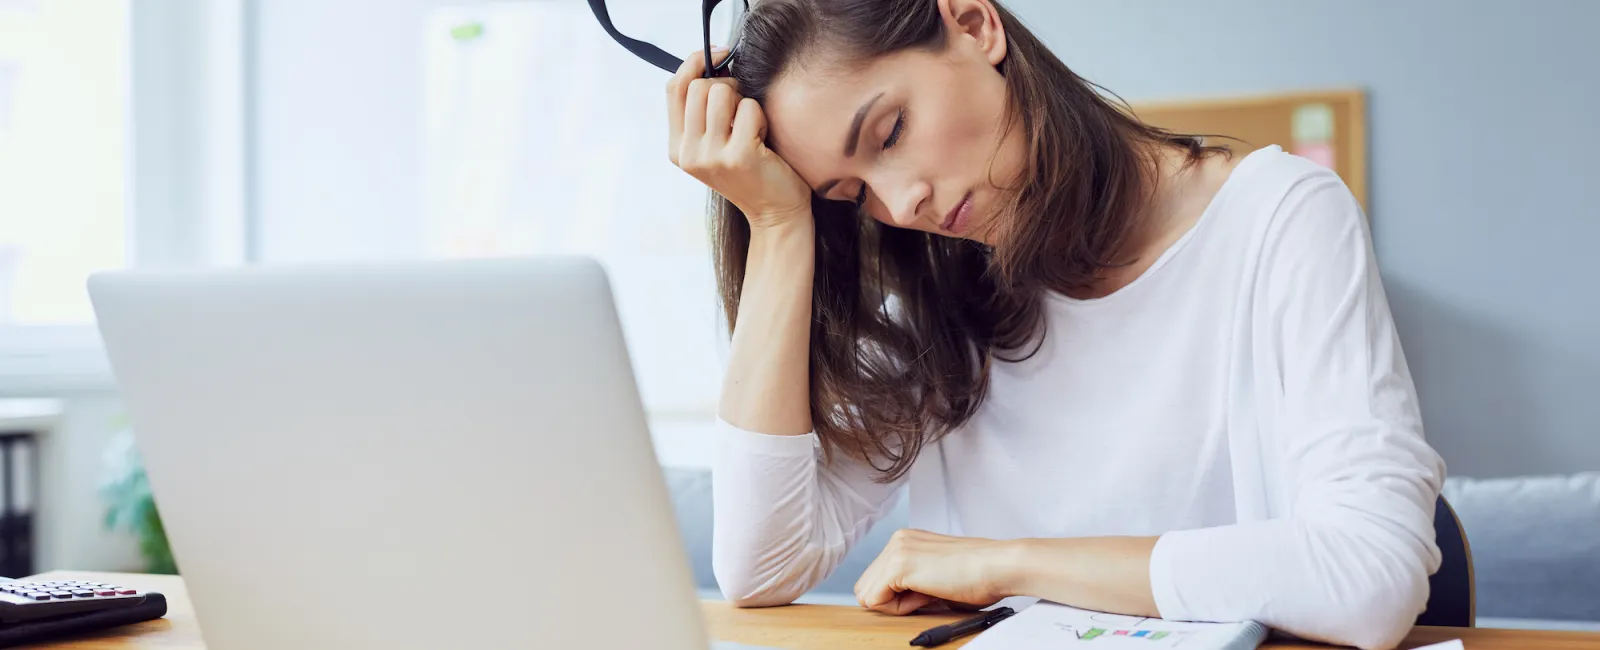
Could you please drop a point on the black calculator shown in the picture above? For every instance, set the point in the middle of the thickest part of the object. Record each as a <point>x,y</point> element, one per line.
<point>29,601</point>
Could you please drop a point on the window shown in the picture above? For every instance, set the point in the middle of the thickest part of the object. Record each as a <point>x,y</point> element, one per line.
<point>63,155</point>
<point>543,136</point>
<point>121,144</point>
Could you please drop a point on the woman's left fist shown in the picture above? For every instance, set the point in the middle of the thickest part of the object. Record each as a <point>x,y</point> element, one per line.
<point>917,568</point>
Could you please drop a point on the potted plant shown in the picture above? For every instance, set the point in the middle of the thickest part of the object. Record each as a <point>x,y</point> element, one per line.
<point>130,506</point>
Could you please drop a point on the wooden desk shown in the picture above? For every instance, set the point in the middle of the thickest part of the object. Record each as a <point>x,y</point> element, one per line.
<point>808,627</point>
<point>178,631</point>
<point>798,627</point>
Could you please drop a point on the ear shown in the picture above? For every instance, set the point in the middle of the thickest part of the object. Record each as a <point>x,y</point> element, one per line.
<point>978,23</point>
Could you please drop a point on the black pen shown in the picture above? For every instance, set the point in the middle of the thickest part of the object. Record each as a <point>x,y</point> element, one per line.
<point>944,633</point>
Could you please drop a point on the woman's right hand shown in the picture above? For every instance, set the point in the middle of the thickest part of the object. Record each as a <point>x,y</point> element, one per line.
<point>719,137</point>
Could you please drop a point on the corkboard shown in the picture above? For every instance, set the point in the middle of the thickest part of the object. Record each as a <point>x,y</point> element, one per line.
<point>1327,126</point>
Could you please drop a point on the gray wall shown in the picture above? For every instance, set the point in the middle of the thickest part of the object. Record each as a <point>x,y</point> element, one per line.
<point>1483,123</point>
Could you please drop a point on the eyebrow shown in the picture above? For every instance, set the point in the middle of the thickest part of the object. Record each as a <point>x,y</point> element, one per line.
<point>852,139</point>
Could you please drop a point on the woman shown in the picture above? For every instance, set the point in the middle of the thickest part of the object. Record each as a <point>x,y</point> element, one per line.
<point>1117,368</point>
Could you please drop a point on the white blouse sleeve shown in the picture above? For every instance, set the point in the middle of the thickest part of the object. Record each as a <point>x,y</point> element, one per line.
<point>1350,564</point>
<point>784,519</point>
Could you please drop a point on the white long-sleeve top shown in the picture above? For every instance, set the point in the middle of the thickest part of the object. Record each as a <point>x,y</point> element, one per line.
<point>1246,399</point>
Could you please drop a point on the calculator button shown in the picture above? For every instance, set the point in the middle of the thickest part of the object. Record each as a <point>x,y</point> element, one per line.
<point>105,592</point>
<point>61,594</point>
<point>82,593</point>
<point>39,595</point>
<point>127,592</point>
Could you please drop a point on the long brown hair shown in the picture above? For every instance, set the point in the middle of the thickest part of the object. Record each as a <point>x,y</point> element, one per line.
<point>905,324</point>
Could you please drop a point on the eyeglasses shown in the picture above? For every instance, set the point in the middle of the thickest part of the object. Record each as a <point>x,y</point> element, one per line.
<point>659,57</point>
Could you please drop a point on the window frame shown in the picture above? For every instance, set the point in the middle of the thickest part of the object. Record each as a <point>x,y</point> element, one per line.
<point>189,63</point>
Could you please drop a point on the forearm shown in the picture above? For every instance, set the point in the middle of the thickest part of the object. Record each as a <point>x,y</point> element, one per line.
<point>1109,574</point>
<point>767,384</point>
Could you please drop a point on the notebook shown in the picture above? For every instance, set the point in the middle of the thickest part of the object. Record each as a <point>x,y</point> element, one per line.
<point>1054,626</point>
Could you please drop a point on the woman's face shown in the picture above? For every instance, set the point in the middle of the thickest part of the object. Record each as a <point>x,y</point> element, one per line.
<point>915,136</point>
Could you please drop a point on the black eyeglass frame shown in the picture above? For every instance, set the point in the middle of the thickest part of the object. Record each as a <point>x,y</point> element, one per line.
<point>659,57</point>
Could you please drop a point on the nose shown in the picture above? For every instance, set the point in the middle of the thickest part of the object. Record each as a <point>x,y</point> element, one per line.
<point>905,199</point>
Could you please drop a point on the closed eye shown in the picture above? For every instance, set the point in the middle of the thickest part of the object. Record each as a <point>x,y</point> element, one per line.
<point>888,143</point>
<point>899,127</point>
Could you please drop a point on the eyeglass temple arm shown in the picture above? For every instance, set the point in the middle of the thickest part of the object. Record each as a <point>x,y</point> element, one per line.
<point>643,50</point>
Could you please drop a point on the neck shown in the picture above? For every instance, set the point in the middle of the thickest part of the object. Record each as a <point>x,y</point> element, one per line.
<point>1175,184</point>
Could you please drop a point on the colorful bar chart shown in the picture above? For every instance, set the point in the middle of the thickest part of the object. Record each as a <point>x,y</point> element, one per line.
<point>1097,632</point>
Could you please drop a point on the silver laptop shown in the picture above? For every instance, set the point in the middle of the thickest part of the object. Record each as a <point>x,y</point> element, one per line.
<point>401,456</point>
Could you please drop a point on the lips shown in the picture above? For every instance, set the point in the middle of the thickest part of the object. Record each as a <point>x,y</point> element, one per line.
<point>959,216</point>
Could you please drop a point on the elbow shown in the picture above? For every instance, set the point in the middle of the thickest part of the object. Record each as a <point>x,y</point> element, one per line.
<point>1372,604</point>
<point>758,599</point>
<point>769,576</point>
<point>1377,619</point>
<point>744,585</point>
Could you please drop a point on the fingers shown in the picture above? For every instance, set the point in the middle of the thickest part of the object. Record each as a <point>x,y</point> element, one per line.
<point>700,111</point>
<point>869,583</point>
<point>876,587</point>
<point>677,96</point>
<point>876,594</point>
<point>702,115</point>
<point>694,109</point>
<point>749,122</point>
<point>718,53</point>
<point>906,602</point>
<point>721,100</point>
<point>880,597</point>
